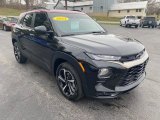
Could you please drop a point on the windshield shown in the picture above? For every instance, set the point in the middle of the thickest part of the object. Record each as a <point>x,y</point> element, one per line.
<point>74,24</point>
<point>131,17</point>
<point>150,18</point>
<point>12,19</point>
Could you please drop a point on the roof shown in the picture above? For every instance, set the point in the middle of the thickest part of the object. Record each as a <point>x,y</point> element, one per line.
<point>73,4</point>
<point>130,5</point>
<point>76,4</point>
<point>55,11</point>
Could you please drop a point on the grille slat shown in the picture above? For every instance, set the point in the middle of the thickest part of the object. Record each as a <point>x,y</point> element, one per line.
<point>133,74</point>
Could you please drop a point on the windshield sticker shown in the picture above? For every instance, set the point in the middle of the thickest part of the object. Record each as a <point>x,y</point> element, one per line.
<point>74,25</point>
<point>61,18</point>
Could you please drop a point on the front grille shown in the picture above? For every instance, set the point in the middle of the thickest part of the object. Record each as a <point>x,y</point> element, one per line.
<point>133,74</point>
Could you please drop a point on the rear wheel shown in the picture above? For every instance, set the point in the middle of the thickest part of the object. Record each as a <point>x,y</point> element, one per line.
<point>5,28</point>
<point>136,26</point>
<point>18,55</point>
<point>69,82</point>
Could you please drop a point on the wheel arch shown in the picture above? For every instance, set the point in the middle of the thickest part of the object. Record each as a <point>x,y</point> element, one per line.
<point>61,57</point>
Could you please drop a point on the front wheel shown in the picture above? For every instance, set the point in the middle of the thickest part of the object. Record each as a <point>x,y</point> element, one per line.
<point>120,24</point>
<point>69,82</point>
<point>136,26</point>
<point>18,55</point>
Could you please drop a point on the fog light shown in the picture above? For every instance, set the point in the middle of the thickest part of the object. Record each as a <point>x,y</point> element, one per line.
<point>104,73</point>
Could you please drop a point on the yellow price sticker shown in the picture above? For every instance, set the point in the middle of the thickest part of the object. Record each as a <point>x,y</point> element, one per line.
<point>61,18</point>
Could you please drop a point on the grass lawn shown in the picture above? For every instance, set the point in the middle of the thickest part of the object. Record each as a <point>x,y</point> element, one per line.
<point>10,12</point>
<point>105,18</point>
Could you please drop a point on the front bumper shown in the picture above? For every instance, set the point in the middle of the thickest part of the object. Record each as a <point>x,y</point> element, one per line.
<point>125,77</point>
<point>103,92</point>
<point>132,23</point>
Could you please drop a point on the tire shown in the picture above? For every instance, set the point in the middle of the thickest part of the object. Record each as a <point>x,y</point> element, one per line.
<point>5,28</point>
<point>120,24</point>
<point>18,55</point>
<point>136,26</point>
<point>126,25</point>
<point>69,82</point>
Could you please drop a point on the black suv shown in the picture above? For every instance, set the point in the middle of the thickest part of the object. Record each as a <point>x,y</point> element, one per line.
<point>148,22</point>
<point>83,57</point>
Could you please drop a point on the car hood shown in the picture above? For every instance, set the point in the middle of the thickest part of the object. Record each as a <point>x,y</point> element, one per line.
<point>107,44</point>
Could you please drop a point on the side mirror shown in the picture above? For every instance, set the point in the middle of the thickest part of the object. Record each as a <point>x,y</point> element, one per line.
<point>40,29</point>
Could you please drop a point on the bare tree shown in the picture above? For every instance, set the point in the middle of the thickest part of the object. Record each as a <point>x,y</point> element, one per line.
<point>2,2</point>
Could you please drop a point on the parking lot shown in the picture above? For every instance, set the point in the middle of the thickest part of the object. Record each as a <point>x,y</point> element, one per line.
<point>29,93</point>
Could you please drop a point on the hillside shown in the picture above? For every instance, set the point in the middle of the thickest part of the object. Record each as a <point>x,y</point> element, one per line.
<point>10,12</point>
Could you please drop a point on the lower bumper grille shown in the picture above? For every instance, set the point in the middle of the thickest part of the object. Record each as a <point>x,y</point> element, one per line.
<point>133,74</point>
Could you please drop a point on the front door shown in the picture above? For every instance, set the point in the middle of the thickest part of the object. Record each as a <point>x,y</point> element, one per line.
<point>44,44</point>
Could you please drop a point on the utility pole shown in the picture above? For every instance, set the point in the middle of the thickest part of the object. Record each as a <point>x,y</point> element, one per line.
<point>66,4</point>
<point>58,3</point>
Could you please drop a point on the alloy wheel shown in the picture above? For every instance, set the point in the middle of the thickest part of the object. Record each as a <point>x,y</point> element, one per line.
<point>67,82</point>
<point>17,52</point>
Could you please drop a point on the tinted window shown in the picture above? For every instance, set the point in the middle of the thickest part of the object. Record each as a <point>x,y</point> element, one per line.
<point>12,19</point>
<point>27,21</point>
<point>150,18</point>
<point>131,17</point>
<point>42,20</point>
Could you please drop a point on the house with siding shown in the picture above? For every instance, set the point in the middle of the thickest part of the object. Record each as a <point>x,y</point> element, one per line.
<point>131,8</point>
<point>102,6</point>
<point>112,8</point>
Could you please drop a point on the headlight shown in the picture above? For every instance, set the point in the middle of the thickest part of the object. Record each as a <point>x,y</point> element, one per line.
<point>103,57</point>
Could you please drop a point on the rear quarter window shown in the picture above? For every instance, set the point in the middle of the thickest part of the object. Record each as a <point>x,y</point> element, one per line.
<point>27,20</point>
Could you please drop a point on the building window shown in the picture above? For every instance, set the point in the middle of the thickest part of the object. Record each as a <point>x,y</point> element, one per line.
<point>82,9</point>
<point>140,10</point>
<point>136,10</point>
<point>128,11</point>
<point>90,8</point>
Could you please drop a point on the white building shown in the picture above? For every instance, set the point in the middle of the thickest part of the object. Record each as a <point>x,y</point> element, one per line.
<point>85,6</point>
<point>131,8</point>
<point>102,6</point>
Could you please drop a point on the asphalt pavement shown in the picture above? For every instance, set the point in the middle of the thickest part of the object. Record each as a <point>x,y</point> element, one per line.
<point>27,92</point>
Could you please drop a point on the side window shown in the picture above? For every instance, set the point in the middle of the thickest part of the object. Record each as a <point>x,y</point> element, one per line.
<point>27,20</point>
<point>42,20</point>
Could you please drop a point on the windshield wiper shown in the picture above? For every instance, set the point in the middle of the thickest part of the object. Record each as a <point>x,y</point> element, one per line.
<point>94,32</point>
<point>97,32</point>
<point>68,35</point>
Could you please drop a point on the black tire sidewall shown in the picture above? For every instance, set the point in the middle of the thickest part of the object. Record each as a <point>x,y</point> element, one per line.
<point>22,58</point>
